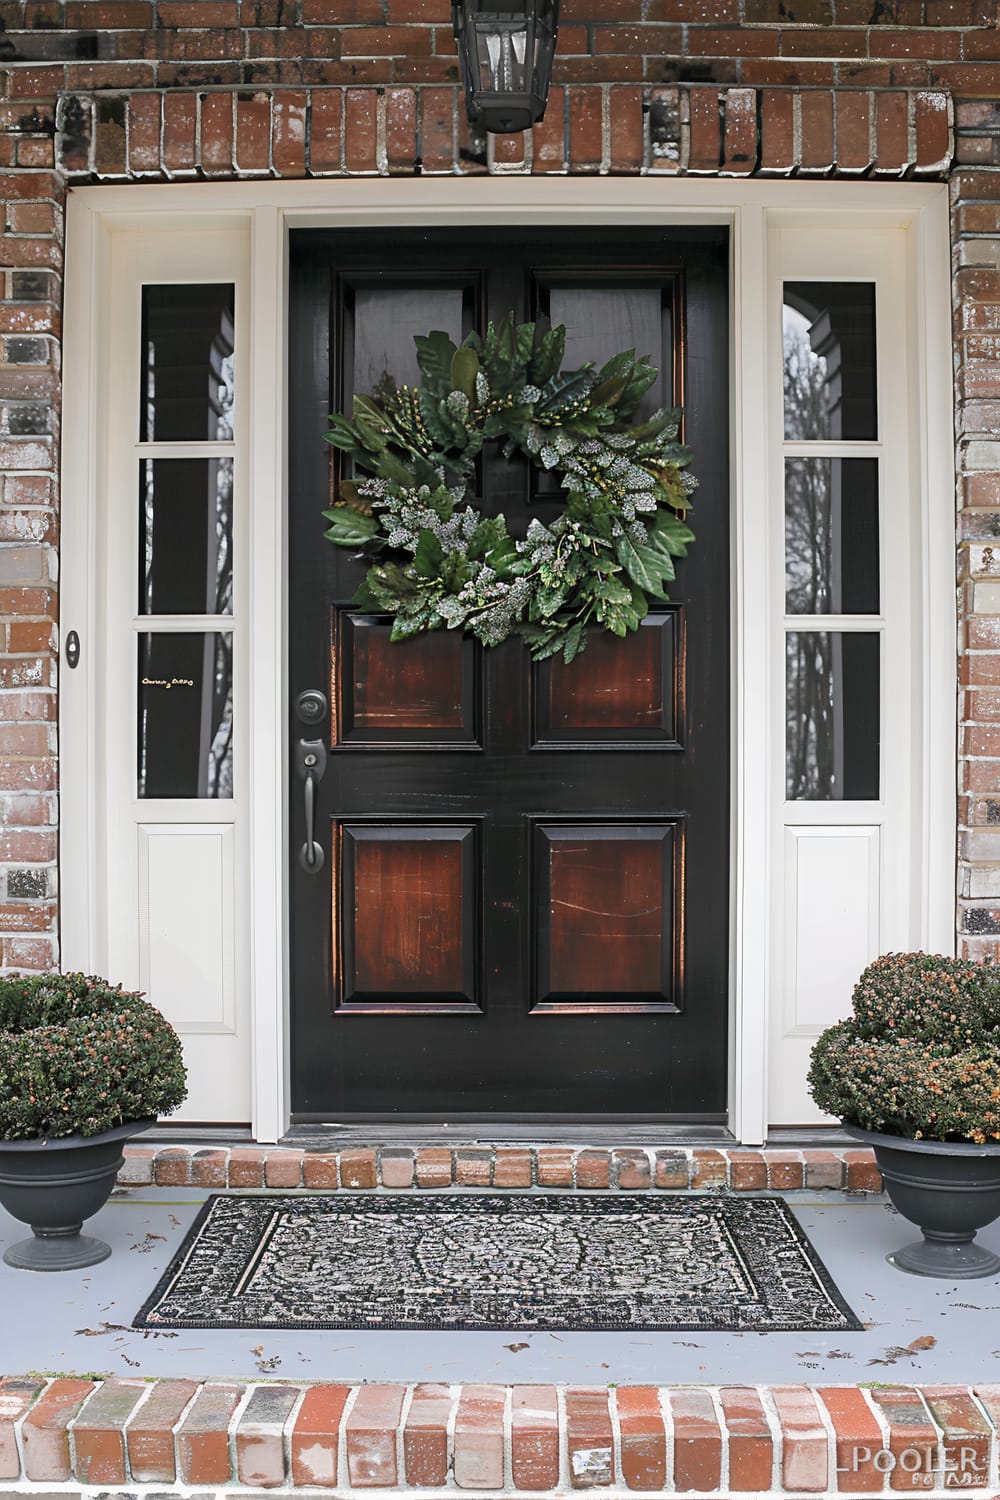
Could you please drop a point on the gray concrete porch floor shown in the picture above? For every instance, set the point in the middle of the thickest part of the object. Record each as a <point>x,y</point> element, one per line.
<point>79,1322</point>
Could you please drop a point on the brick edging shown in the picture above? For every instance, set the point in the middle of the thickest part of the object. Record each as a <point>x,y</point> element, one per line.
<point>399,1169</point>
<point>608,127</point>
<point>440,1439</point>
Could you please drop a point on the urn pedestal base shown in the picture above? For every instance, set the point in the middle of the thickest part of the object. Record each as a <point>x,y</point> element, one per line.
<point>54,1185</point>
<point>949,1189</point>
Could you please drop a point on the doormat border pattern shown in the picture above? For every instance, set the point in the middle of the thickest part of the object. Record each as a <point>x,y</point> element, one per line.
<point>481,1166</point>
<point>518,1263</point>
<point>302,1436</point>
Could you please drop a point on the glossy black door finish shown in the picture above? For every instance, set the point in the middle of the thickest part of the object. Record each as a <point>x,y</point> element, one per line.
<point>523,908</point>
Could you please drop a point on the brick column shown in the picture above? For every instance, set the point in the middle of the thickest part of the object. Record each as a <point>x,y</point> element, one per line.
<point>30,314</point>
<point>975,196</point>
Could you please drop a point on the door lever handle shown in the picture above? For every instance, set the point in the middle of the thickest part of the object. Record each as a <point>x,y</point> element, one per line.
<point>310,757</point>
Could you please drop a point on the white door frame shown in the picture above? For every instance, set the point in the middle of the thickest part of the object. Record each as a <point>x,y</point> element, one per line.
<point>752,209</point>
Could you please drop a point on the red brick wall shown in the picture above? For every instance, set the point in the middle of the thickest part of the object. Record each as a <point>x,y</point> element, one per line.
<point>129,89</point>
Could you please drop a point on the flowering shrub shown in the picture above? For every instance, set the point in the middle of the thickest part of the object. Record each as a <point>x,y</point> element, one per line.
<point>920,1056</point>
<point>79,1055</point>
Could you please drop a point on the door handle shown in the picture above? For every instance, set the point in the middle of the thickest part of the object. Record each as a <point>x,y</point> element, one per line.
<point>310,759</point>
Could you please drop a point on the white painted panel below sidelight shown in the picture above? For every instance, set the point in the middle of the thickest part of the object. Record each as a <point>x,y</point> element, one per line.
<point>832,906</point>
<point>186,937</point>
<point>188,959</point>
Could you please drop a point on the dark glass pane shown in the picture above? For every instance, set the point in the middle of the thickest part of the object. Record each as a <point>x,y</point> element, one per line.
<point>829,338</point>
<point>388,319</point>
<point>831,536</point>
<point>187,363</point>
<point>186,536</point>
<point>601,321</point>
<point>832,716</point>
<point>185,727</point>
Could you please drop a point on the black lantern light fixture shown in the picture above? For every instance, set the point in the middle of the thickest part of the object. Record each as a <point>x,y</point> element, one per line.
<point>506,47</point>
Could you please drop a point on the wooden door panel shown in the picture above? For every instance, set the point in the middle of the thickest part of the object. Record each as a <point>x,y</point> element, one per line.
<point>418,693</point>
<point>608,917</point>
<point>408,914</point>
<point>624,692</point>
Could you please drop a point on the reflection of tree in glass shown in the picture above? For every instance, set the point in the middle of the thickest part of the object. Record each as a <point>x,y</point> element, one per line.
<point>220,754</point>
<point>810,769</point>
<point>807,396</point>
<point>811,738</point>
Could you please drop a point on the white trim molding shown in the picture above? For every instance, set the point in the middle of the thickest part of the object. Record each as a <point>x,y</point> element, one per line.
<point>766,218</point>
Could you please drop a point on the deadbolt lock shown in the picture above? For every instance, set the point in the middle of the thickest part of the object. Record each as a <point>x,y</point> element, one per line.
<point>311,706</point>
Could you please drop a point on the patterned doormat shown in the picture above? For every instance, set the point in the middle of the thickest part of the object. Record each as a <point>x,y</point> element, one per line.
<point>489,1262</point>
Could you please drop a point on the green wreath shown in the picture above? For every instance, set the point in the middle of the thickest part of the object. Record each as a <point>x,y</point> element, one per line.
<point>437,561</point>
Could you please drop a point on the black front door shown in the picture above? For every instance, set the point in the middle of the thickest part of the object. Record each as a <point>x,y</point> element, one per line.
<point>523,904</point>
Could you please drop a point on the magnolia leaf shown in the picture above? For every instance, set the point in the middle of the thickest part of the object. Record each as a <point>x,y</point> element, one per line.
<point>464,369</point>
<point>563,391</point>
<point>661,419</point>
<point>429,555</point>
<point>619,366</point>
<point>367,410</point>
<point>611,591</point>
<point>348,528</point>
<point>608,392</point>
<point>435,352</point>
<point>544,640</point>
<point>613,622</point>
<point>550,600</point>
<point>505,339</point>
<point>643,377</point>
<point>524,342</point>
<point>393,576</point>
<point>671,534</point>
<point>546,361</point>
<point>342,434</point>
<point>388,466</point>
<point>349,494</point>
<point>644,564</point>
<point>573,644</point>
<point>403,626</point>
<point>502,558</point>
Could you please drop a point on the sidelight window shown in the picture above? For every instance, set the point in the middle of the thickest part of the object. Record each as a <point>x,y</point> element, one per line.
<point>184,604</point>
<point>832,542</point>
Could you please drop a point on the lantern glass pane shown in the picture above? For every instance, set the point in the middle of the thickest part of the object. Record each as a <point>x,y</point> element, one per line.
<point>503,48</point>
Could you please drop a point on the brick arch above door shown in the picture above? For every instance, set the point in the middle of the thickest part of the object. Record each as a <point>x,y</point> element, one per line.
<point>614,128</point>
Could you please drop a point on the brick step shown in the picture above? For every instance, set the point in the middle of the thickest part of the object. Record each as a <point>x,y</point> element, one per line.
<point>396,1168</point>
<point>541,1439</point>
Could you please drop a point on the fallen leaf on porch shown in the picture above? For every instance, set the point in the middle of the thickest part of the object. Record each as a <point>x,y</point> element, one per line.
<point>898,1351</point>
<point>516,1348</point>
<point>146,1244</point>
<point>264,1365</point>
<point>156,1333</point>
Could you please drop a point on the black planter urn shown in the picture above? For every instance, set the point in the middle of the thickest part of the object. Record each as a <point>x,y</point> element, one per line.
<point>54,1185</point>
<point>949,1189</point>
